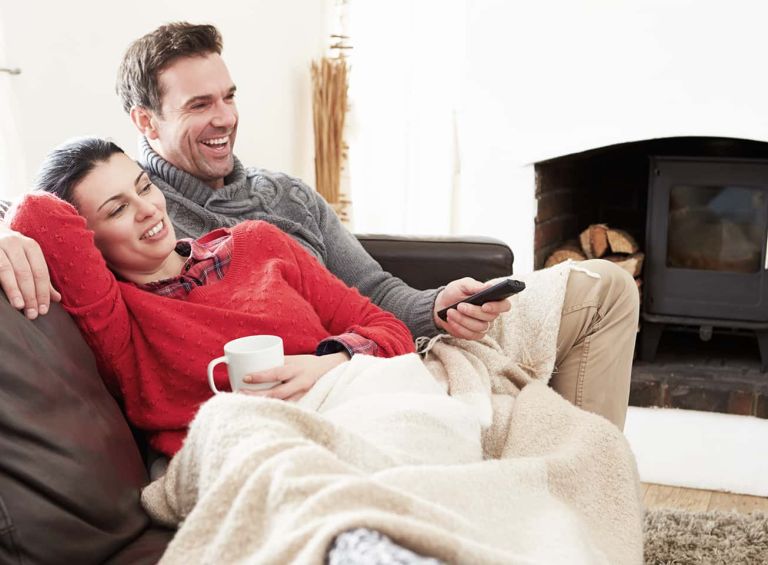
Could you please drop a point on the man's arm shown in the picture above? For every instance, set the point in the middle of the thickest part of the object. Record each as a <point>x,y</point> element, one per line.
<point>23,272</point>
<point>347,259</point>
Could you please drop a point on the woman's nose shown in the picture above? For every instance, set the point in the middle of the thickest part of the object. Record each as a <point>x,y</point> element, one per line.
<point>144,208</point>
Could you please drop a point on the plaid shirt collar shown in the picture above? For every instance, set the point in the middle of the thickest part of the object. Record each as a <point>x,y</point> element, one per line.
<point>208,261</point>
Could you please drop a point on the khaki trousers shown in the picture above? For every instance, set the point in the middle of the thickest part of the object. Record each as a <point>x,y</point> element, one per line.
<point>596,340</point>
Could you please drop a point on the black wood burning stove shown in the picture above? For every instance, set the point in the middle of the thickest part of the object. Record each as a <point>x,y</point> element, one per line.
<point>706,264</point>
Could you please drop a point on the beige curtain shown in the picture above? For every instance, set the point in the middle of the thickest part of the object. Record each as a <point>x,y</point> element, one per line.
<point>405,100</point>
<point>329,108</point>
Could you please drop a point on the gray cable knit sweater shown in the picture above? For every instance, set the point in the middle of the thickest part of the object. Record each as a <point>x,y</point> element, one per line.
<point>289,204</point>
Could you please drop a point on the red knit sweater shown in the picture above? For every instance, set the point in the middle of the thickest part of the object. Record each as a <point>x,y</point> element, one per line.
<point>155,350</point>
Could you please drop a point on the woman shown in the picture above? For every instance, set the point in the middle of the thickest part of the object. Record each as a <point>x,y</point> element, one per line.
<point>155,311</point>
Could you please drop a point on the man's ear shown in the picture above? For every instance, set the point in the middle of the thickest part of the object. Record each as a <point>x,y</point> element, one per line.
<point>145,121</point>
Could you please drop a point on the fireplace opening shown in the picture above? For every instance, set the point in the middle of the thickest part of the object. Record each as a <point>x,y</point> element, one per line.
<point>702,285</point>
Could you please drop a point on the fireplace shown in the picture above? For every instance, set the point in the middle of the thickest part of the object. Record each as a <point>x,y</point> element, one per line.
<point>705,242</point>
<point>703,304</point>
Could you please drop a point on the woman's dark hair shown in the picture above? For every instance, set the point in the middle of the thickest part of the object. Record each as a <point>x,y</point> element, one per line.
<point>69,163</point>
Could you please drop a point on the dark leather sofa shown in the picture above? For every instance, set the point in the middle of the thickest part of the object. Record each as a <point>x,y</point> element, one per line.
<point>70,466</point>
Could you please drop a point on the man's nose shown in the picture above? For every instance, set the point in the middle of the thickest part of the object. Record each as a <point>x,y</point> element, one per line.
<point>225,116</point>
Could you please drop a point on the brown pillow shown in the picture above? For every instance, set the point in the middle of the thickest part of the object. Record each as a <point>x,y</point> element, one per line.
<point>70,472</point>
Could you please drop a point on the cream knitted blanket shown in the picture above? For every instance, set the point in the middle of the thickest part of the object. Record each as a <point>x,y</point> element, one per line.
<point>501,471</point>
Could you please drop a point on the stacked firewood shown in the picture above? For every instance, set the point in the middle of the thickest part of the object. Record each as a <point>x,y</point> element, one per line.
<point>603,242</point>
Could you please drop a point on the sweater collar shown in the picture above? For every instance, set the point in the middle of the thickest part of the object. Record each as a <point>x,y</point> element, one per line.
<point>187,185</point>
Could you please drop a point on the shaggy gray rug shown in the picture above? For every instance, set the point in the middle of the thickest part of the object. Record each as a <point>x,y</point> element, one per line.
<point>679,537</point>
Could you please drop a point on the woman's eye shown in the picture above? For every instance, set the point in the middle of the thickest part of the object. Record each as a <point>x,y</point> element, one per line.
<point>117,211</point>
<point>146,188</point>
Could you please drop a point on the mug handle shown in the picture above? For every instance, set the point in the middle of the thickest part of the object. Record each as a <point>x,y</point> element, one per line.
<point>211,365</point>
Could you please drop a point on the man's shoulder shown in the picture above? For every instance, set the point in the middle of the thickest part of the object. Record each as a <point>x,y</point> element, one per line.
<point>281,181</point>
<point>281,185</point>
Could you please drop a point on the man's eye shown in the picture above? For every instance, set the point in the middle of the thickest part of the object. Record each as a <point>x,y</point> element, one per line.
<point>198,106</point>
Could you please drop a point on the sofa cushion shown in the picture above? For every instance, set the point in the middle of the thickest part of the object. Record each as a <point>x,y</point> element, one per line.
<point>70,472</point>
<point>430,262</point>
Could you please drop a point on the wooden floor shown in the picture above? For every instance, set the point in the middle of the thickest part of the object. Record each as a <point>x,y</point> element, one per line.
<point>695,500</point>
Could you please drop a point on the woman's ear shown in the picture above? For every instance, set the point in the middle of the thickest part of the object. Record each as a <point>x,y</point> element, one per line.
<point>145,121</point>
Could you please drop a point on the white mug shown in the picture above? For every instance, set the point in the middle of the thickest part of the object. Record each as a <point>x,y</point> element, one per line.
<point>246,355</point>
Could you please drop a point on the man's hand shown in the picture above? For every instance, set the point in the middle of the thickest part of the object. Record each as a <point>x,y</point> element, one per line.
<point>24,274</point>
<point>468,321</point>
<point>296,377</point>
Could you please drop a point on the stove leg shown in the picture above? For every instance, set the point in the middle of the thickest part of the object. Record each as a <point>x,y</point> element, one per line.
<point>762,342</point>
<point>649,341</point>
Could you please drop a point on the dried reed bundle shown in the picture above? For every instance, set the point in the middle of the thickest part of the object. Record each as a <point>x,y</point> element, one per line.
<point>329,109</point>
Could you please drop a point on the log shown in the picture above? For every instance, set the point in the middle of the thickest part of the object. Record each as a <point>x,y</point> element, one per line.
<point>621,242</point>
<point>598,239</point>
<point>594,240</point>
<point>570,250</point>
<point>586,248</point>
<point>633,264</point>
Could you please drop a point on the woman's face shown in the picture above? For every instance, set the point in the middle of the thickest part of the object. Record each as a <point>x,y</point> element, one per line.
<point>127,214</point>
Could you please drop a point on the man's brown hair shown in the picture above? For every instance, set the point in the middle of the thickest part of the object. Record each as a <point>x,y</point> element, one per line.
<point>137,77</point>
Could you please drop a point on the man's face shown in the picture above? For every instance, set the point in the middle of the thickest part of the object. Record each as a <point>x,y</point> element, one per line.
<point>197,129</point>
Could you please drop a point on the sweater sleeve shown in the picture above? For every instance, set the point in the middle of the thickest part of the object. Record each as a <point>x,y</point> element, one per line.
<point>347,259</point>
<point>89,290</point>
<point>4,205</point>
<point>340,308</point>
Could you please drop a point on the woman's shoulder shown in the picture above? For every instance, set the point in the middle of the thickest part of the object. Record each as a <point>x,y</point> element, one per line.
<point>256,228</point>
<point>265,238</point>
<point>261,236</point>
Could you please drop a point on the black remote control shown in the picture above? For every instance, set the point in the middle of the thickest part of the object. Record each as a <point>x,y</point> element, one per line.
<point>504,289</point>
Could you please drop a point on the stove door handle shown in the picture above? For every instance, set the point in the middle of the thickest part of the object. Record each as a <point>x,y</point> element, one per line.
<point>765,266</point>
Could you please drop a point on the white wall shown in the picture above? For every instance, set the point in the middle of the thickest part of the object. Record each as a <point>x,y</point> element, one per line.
<point>540,79</point>
<point>554,77</point>
<point>69,53</point>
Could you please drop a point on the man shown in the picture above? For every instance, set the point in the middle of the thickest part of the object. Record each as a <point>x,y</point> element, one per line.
<point>188,136</point>
<point>177,91</point>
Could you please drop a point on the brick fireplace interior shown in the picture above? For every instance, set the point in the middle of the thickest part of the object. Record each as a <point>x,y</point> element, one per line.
<point>610,185</point>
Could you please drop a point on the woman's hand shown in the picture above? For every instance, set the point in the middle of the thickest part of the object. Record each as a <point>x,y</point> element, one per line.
<point>296,377</point>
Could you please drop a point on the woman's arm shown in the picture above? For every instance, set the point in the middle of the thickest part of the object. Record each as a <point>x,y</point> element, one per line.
<point>89,290</point>
<point>343,310</point>
<point>340,309</point>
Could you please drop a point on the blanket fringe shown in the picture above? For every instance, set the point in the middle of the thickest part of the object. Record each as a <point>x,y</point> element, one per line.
<point>574,266</point>
<point>425,344</point>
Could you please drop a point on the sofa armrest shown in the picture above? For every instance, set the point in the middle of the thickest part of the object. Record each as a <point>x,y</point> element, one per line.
<point>430,262</point>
